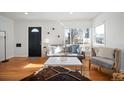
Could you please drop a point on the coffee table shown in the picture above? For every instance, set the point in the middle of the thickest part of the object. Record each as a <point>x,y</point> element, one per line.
<point>63,61</point>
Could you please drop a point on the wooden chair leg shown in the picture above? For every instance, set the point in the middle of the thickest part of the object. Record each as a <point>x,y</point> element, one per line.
<point>99,69</point>
<point>115,71</point>
<point>89,64</point>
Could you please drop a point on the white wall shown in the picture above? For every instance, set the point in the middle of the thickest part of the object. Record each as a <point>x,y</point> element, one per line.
<point>114,29</point>
<point>78,24</point>
<point>8,26</point>
<point>2,46</point>
<point>21,33</point>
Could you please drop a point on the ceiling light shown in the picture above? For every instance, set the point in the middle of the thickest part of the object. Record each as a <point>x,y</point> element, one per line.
<point>26,13</point>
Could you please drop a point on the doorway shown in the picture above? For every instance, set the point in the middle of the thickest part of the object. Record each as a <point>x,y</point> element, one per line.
<point>34,39</point>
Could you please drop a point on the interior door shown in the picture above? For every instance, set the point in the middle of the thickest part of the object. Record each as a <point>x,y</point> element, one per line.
<point>34,41</point>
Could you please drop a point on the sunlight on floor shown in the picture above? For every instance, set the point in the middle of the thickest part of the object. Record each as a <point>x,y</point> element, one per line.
<point>33,65</point>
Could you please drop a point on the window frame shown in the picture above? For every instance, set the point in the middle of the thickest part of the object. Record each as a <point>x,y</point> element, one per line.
<point>94,35</point>
<point>70,29</point>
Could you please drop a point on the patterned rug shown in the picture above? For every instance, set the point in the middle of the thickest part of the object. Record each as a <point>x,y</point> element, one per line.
<point>56,74</point>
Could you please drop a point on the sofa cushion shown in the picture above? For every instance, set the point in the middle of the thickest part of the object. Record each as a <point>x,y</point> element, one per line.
<point>79,50</point>
<point>99,52</point>
<point>74,48</point>
<point>105,52</point>
<point>103,62</point>
<point>108,53</point>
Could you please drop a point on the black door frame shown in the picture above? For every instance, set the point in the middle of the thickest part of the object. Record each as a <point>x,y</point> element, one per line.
<point>40,41</point>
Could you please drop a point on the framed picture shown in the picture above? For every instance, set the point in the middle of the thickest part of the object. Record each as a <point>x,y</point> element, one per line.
<point>87,33</point>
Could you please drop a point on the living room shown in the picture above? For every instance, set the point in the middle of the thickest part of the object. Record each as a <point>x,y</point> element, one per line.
<point>54,26</point>
<point>78,46</point>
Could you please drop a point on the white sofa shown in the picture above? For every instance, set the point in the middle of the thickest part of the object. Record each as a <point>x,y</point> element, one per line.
<point>61,50</point>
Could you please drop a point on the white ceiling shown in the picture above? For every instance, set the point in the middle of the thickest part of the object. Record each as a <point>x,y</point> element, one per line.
<point>54,16</point>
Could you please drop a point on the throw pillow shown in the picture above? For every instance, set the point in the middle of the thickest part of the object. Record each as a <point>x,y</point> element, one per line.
<point>74,48</point>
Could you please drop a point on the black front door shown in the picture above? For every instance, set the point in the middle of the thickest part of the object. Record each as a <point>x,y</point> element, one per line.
<point>34,41</point>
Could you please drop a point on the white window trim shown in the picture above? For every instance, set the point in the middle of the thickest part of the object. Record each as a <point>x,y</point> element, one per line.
<point>93,36</point>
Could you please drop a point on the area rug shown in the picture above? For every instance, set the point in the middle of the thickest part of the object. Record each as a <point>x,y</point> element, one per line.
<point>33,58</point>
<point>56,74</point>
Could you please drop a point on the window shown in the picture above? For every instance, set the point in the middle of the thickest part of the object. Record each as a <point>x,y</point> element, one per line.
<point>35,30</point>
<point>99,35</point>
<point>73,36</point>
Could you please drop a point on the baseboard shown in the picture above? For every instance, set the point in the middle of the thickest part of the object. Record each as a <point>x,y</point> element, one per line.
<point>8,58</point>
<point>3,61</point>
<point>20,56</point>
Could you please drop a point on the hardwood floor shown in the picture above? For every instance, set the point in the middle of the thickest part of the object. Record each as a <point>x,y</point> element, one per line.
<point>19,68</point>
